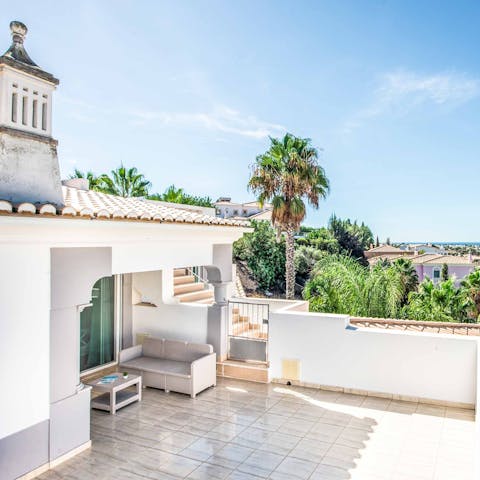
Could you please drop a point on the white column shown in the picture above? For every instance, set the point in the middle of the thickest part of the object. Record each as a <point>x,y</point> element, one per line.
<point>220,292</point>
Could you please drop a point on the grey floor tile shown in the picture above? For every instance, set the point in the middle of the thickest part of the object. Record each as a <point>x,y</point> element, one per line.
<point>179,466</point>
<point>295,468</point>
<point>260,463</point>
<point>311,450</point>
<point>203,448</point>
<point>207,471</point>
<point>230,456</point>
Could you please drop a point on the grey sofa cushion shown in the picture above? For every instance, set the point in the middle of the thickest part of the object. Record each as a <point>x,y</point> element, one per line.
<point>153,347</point>
<point>197,350</point>
<point>175,350</point>
<point>160,365</point>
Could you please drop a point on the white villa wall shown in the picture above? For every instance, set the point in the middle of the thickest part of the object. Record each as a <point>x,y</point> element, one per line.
<point>25,337</point>
<point>25,303</point>
<point>438,367</point>
<point>176,322</point>
<point>173,321</point>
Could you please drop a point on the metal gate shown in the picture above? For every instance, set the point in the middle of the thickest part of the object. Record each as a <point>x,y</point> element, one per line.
<point>248,331</point>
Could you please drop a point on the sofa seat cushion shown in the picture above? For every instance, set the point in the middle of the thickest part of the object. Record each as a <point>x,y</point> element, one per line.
<point>160,365</point>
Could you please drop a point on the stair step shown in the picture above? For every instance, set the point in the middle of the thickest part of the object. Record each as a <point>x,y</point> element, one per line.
<point>181,279</point>
<point>243,371</point>
<point>178,272</point>
<point>194,296</point>
<point>188,288</point>
<point>207,301</point>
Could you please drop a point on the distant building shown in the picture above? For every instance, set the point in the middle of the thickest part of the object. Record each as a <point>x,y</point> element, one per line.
<point>225,208</point>
<point>424,248</point>
<point>430,265</point>
<point>386,252</point>
<point>426,264</point>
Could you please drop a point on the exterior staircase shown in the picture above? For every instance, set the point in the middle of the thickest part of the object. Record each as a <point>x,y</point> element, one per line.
<point>242,326</point>
<point>189,289</point>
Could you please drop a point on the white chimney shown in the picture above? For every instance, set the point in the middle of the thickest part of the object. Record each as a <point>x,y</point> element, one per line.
<point>29,170</point>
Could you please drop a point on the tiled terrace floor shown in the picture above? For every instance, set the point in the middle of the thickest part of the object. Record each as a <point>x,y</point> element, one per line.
<point>246,431</point>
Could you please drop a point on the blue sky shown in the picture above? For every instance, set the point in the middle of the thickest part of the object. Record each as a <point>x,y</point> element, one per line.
<point>188,92</point>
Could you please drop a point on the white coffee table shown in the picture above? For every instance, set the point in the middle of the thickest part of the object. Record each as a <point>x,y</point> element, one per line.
<point>116,394</point>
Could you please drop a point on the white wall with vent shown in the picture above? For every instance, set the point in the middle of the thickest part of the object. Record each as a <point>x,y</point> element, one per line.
<point>402,364</point>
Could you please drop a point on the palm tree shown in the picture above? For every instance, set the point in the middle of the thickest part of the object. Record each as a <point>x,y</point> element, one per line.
<point>340,284</point>
<point>438,303</point>
<point>286,174</point>
<point>471,286</point>
<point>94,182</point>
<point>173,194</point>
<point>125,182</point>
<point>408,275</point>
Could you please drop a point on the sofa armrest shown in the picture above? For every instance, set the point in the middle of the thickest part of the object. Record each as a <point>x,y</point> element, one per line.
<point>130,353</point>
<point>204,372</point>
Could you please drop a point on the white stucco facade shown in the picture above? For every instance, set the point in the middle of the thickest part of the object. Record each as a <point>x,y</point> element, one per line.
<point>39,351</point>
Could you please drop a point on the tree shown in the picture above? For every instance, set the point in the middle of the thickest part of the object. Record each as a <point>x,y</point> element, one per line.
<point>305,259</point>
<point>264,256</point>
<point>319,239</point>
<point>172,194</point>
<point>388,241</point>
<point>444,273</point>
<point>177,195</point>
<point>438,303</point>
<point>352,238</point>
<point>340,284</point>
<point>408,275</point>
<point>94,182</point>
<point>125,182</point>
<point>285,175</point>
<point>471,287</point>
<point>377,241</point>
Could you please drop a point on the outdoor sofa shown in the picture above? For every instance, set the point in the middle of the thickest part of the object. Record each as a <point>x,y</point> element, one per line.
<point>171,365</point>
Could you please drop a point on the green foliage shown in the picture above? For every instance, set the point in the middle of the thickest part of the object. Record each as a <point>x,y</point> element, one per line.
<point>444,273</point>
<point>124,182</point>
<point>263,254</point>
<point>408,275</point>
<point>305,260</point>
<point>340,284</point>
<point>353,239</point>
<point>471,287</point>
<point>438,303</point>
<point>177,195</point>
<point>320,239</point>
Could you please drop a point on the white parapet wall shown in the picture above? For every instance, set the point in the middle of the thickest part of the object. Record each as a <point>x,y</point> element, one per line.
<point>328,352</point>
<point>274,304</point>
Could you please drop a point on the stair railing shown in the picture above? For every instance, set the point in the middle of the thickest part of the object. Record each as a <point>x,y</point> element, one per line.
<point>199,277</point>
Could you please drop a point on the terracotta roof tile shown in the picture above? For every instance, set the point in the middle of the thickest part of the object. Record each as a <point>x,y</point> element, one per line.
<point>385,249</point>
<point>91,204</point>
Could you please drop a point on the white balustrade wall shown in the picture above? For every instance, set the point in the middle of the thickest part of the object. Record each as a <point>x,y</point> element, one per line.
<point>332,353</point>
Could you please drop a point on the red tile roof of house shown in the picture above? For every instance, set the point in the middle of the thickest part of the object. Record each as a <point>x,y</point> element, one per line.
<point>96,205</point>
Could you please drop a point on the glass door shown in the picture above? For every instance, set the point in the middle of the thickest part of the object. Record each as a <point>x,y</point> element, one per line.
<point>97,326</point>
